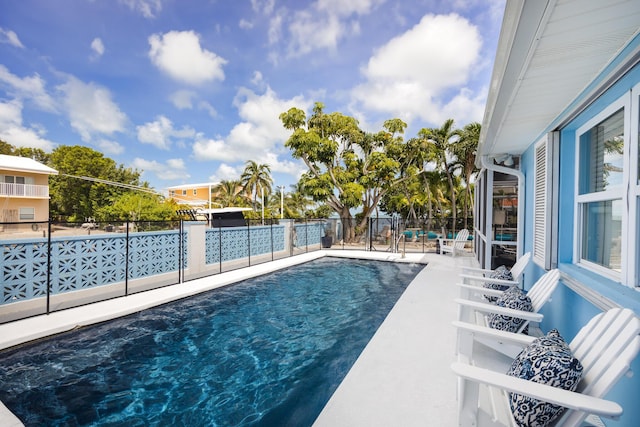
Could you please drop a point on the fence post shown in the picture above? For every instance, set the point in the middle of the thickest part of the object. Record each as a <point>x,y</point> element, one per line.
<point>181,252</point>
<point>271,230</point>
<point>220,244</point>
<point>49,266</point>
<point>249,241</point>
<point>126,261</point>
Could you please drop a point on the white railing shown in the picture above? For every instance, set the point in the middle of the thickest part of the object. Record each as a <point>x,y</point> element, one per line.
<point>24,190</point>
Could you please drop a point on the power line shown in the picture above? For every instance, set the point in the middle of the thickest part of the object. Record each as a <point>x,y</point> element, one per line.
<point>115,184</point>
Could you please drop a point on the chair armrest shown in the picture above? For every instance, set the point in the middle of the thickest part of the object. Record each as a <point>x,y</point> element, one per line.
<point>489,279</point>
<point>558,396</point>
<point>521,340</point>
<point>490,308</point>
<point>476,270</point>
<point>481,290</point>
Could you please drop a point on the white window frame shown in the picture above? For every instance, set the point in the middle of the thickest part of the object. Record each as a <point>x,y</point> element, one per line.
<point>626,264</point>
<point>633,191</point>
<point>27,212</point>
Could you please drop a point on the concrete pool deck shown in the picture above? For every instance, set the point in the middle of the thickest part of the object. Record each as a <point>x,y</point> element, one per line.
<point>401,378</point>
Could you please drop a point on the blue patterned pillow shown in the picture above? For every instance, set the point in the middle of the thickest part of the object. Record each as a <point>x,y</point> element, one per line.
<point>547,360</point>
<point>513,298</point>
<point>501,273</point>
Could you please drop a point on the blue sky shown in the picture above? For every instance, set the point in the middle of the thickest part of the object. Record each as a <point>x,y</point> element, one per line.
<point>188,90</point>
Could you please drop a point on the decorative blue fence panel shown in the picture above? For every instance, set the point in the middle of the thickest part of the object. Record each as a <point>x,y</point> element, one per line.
<point>212,243</point>
<point>151,254</point>
<point>86,262</point>
<point>234,242</point>
<point>308,234</point>
<point>24,270</point>
<point>278,238</point>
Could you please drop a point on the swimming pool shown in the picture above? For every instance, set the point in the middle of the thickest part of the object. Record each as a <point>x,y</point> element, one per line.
<point>266,351</point>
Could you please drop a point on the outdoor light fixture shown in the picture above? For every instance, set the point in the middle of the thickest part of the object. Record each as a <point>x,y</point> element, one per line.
<point>506,159</point>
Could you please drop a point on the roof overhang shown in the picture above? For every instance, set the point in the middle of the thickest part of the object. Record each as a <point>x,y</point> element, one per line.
<point>222,210</point>
<point>24,165</point>
<point>549,56</point>
<point>192,186</point>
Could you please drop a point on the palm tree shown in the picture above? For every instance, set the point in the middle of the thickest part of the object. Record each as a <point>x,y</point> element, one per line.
<point>441,141</point>
<point>228,193</point>
<point>255,177</point>
<point>465,151</point>
<point>296,203</point>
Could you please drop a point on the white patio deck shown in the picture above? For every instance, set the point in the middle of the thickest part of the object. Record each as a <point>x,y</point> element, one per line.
<point>402,378</point>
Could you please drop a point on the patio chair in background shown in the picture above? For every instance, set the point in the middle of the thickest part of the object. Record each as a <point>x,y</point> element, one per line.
<point>454,245</point>
<point>606,346</point>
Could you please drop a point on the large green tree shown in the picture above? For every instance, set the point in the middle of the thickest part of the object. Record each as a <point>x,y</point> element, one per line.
<point>347,168</point>
<point>75,193</point>
<point>136,206</point>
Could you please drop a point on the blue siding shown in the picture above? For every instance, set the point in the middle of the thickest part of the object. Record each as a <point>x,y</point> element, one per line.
<point>568,311</point>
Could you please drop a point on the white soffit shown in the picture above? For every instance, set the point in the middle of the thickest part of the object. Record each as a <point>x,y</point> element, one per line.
<point>548,53</point>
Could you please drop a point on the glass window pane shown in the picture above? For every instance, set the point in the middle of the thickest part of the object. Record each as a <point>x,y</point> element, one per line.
<point>27,214</point>
<point>602,233</point>
<point>601,152</point>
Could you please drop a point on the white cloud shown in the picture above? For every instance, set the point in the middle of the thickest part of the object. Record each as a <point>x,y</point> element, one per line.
<point>263,6</point>
<point>148,8</point>
<point>98,47</point>
<point>275,28</point>
<point>183,99</point>
<point>110,147</point>
<point>29,88</point>
<point>10,37</point>
<point>212,149</point>
<point>160,133</point>
<point>259,136</point>
<point>91,110</point>
<point>409,75</point>
<point>172,169</point>
<point>325,23</point>
<point>257,79</point>
<point>15,133</point>
<point>226,172</point>
<point>179,54</point>
<point>245,25</point>
<point>205,106</point>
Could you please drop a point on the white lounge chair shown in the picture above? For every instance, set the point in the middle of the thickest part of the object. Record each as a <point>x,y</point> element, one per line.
<point>477,312</point>
<point>454,245</point>
<point>605,346</point>
<point>471,275</point>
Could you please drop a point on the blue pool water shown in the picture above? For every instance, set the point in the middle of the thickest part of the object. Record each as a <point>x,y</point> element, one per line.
<point>268,351</point>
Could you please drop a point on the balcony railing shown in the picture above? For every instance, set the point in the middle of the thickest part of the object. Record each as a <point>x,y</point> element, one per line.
<point>24,190</point>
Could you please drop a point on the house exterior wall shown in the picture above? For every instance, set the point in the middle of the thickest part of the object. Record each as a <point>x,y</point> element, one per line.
<point>201,194</point>
<point>13,197</point>
<point>569,310</point>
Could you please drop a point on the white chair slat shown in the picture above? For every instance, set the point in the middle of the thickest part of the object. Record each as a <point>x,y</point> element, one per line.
<point>520,265</point>
<point>541,292</point>
<point>608,344</point>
